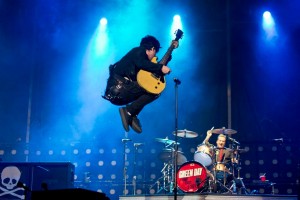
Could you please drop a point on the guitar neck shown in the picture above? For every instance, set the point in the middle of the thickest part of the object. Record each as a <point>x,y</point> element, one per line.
<point>167,55</point>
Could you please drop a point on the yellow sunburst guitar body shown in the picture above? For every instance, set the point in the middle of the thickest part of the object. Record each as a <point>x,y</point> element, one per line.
<point>152,82</point>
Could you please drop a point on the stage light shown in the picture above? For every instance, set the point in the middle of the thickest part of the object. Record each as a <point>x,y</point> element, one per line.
<point>103,21</point>
<point>176,24</point>
<point>268,25</point>
<point>101,38</point>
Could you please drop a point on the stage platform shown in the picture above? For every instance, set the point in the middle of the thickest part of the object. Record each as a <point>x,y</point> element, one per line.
<point>209,197</point>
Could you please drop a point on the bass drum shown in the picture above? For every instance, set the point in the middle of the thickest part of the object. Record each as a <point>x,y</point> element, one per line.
<point>191,176</point>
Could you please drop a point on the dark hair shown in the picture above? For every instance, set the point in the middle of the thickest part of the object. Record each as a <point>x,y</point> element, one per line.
<point>149,41</point>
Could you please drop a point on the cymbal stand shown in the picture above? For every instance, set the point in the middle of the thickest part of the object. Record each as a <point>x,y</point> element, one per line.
<point>240,180</point>
<point>166,178</point>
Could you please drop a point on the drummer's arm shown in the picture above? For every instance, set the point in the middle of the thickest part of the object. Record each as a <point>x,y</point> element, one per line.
<point>208,135</point>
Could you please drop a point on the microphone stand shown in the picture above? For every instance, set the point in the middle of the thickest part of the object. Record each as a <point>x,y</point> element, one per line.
<point>125,140</point>
<point>177,82</point>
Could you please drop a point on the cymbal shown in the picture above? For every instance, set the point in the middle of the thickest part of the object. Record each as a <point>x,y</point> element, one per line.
<point>185,133</point>
<point>166,141</point>
<point>224,131</point>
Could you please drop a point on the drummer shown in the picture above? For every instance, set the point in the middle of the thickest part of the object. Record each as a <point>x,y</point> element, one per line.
<point>222,158</point>
<point>221,154</point>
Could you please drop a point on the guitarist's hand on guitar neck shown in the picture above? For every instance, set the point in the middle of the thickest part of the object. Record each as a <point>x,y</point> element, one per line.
<point>166,70</point>
<point>175,44</point>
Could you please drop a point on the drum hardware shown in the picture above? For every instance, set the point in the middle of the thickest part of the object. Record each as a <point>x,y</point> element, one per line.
<point>221,168</point>
<point>167,155</point>
<point>166,178</point>
<point>238,184</point>
<point>166,141</point>
<point>185,133</point>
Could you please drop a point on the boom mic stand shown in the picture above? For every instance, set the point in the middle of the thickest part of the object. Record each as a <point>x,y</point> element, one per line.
<point>177,82</point>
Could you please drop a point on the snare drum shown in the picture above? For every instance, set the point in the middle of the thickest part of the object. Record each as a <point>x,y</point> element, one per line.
<point>191,176</point>
<point>204,155</point>
<point>221,167</point>
<point>222,173</point>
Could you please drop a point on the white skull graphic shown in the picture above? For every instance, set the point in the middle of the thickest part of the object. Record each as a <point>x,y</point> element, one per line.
<point>10,177</point>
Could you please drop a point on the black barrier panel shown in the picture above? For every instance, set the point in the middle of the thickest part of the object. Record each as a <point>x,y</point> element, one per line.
<point>72,194</point>
<point>19,179</point>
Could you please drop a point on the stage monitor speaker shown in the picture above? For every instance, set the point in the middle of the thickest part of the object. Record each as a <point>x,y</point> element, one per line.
<point>72,194</point>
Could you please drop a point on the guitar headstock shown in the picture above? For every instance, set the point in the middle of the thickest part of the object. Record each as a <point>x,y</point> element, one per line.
<point>179,34</point>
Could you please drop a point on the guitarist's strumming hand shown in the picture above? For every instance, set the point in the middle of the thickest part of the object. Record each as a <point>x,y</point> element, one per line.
<point>166,70</point>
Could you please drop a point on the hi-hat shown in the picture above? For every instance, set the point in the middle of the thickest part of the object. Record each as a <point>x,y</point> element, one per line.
<point>185,133</point>
<point>166,141</point>
<point>224,131</point>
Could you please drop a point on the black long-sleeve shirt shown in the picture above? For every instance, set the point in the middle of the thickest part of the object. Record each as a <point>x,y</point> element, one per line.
<point>135,60</point>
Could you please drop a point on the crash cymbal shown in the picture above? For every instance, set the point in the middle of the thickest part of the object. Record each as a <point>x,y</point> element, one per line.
<point>224,131</point>
<point>185,133</point>
<point>166,141</point>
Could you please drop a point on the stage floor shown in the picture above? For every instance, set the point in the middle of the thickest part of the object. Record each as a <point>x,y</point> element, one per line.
<point>208,197</point>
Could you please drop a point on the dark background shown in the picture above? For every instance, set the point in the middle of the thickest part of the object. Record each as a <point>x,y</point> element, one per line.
<point>231,77</point>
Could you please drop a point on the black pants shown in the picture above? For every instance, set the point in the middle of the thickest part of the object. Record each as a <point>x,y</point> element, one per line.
<point>120,91</point>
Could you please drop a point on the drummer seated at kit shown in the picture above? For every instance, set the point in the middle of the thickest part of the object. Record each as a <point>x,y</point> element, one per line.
<point>222,158</point>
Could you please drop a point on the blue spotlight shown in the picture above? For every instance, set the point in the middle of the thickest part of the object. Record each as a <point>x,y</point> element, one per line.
<point>101,37</point>
<point>103,21</point>
<point>268,25</point>
<point>177,24</point>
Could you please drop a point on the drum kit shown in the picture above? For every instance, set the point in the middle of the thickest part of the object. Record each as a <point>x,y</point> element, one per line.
<point>203,174</point>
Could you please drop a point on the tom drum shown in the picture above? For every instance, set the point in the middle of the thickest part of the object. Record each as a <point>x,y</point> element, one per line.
<point>204,155</point>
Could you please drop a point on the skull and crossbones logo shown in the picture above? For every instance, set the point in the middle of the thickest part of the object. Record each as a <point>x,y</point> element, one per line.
<point>10,177</point>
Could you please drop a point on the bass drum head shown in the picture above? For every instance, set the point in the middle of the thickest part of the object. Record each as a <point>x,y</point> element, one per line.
<point>191,176</point>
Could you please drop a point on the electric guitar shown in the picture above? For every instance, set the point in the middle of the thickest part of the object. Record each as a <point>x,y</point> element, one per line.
<point>152,82</point>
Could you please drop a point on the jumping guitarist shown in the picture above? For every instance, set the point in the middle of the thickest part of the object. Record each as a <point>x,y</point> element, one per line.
<point>135,79</point>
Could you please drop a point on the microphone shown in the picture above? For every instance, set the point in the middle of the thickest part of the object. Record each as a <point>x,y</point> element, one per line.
<point>134,184</point>
<point>138,144</point>
<point>176,80</point>
<point>126,140</point>
<point>233,140</point>
<point>278,140</point>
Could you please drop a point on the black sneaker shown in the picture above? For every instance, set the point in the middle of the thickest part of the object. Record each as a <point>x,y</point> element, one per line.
<point>126,118</point>
<point>136,125</point>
